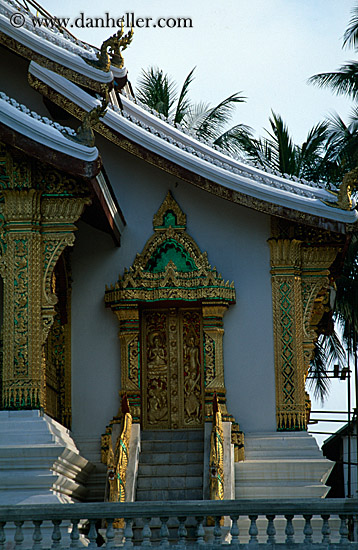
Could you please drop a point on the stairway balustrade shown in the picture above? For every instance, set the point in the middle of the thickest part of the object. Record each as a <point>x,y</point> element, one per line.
<point>176,520</point>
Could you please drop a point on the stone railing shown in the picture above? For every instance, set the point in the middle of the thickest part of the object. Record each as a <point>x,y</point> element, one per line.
<point>182,524</point>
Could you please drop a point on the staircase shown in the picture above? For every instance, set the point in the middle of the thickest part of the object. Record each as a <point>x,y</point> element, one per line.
<point>171,465</point>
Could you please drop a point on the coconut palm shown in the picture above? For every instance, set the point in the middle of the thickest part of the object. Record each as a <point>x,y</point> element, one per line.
<point>159,92</point>
<point>278,152</point>
<point>345,79</point>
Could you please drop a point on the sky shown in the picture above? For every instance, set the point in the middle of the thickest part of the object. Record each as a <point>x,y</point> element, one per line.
<point>266,49</point>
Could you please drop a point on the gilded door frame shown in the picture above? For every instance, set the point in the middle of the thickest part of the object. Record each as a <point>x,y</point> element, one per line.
<point>171,269</point>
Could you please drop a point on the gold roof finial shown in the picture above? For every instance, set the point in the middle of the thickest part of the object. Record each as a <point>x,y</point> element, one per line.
<point>344,194</point>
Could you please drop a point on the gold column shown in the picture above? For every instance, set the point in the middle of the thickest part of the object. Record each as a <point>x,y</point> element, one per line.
<point>23,380</point>
<point>315,293</point>
<point>300,285</point>
<point>129,337</point>
<point>213,332</point>
<point>288,333</point>
<point>35,232</point>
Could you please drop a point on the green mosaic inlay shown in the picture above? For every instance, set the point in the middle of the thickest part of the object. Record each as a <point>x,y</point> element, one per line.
<point>170,251</point>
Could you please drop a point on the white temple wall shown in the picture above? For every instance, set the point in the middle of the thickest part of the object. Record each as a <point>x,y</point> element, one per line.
<point>235,239</point>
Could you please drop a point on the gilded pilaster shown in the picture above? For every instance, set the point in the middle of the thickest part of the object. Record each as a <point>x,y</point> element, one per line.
<point>316,261</point>
<point>300,284</point>
<point>23,379</point>
<point>129,337</point>
<point>213,332</point>
<point>38,209</point>
<point>58,215</point>
<point>288,333</point>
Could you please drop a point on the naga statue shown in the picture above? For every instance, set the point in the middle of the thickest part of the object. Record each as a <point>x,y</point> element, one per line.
<point>344,194</point>
<point>110,51</point>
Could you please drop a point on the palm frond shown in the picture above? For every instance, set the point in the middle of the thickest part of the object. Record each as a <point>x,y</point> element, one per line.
<point>195,115</point>
<point>216,118</point>
<point>183,104</point>
<point>235,139</point>
<point>157,90</point>
<point>344,81</point>
<point>319,381</point>
<point>350,37</point>
<point>282,145</point>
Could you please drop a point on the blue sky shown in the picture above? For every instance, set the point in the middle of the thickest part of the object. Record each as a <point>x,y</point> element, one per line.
<point>265,48</point>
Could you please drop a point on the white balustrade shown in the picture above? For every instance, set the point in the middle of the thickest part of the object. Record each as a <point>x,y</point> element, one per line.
<point>302,525</point>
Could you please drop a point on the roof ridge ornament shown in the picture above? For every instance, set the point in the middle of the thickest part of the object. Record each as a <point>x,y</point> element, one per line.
<point>344,194</point>
<point>84,134</point>
<point>115,43</point>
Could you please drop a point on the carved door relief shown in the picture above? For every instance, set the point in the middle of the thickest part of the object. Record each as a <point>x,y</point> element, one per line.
<point>172,389</point>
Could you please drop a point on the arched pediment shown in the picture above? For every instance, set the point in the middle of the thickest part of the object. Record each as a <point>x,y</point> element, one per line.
<point>171,266</point>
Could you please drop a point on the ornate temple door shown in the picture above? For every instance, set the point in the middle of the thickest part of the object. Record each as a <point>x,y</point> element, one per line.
<point>172,367</point>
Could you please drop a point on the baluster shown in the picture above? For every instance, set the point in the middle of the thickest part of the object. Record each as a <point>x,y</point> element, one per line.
<point>253,531</point>
<point>146,533</point>
<point>37,535</point>
<point>234,531</point>
<point>19,536</point>
<point>343,529</point>
<point>326,530</point>
<point>164,533</point>
<point>56,534</point>
<point>2,535</point>
<point>289,531</point>
<point>182,532</point>
<point>200,531</point>
<point>92,534</point>
<point>271,530</point>
<point>307,531</point>
<point>217,531</point>
<point>128,533</point>
<point>75,535</point>
<point>109,533</point>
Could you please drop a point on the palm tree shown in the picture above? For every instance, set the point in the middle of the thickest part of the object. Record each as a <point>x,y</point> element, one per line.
<point>159,92</point>
<point>278,152</point>
<point>345,79</point>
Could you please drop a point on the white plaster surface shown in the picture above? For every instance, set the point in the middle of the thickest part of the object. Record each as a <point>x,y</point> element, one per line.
<point>235,239</point>
<point>281,465</point>
<point>39,462</point>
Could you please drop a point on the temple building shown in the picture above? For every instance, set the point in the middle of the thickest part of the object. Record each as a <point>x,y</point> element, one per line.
<point>155,292</point>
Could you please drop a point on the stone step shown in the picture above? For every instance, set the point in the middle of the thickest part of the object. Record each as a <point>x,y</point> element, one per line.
<point>171,469</point>
<point>171,458</point>
<point>160,445</point>
<point>174,482</point>
<point>172,435</point>
<point>169,494</point>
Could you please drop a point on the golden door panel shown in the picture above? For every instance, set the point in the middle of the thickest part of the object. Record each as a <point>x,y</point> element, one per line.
<point>172,362</point>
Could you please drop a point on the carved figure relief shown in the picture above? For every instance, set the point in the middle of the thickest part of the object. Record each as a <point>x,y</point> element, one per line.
<point>172,368</point>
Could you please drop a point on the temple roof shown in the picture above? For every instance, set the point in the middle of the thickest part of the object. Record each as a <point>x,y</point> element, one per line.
<point>42,138</point>
<point>62,65</point>
<point>53,47</point>
<point>198,162</point>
